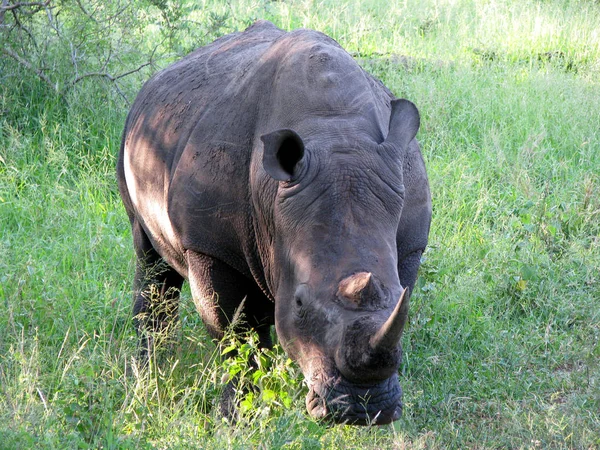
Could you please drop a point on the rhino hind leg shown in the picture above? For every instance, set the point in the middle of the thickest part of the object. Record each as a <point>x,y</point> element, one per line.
<point>156,294</point>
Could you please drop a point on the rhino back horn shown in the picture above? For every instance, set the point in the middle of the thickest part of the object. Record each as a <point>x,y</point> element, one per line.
<point>388,336</point>
<point>360,288</point>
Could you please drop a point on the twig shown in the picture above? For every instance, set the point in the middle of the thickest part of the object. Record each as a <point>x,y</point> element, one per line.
<point>108,75</point>
<point>52,21</point>
<point>119,12</point>
<point>84,11</point>
<point>18,25</point>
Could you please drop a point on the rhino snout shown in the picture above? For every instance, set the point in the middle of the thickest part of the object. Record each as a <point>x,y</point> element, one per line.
<point>352,356</point>
<point>341,401</point>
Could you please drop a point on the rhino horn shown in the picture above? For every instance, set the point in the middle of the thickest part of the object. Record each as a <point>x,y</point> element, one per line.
<point>388,336</point>
<point>360,288</point>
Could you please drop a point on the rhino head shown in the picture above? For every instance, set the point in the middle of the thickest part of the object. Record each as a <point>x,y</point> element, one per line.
<point>340,308</point>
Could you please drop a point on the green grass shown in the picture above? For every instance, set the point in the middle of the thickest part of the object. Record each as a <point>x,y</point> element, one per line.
<point>503,346</point>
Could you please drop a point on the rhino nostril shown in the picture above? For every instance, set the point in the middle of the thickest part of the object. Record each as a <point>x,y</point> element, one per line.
<point>315,405</point>
<point>319,412</point>
<point>301,294</point>
<point>397,412</point>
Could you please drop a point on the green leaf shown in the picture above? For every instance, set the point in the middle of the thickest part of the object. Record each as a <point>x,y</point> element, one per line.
<point>268,395</point>
<point>228,349</point>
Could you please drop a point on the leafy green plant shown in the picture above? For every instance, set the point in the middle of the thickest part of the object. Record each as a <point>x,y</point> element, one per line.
<point>265,379</point>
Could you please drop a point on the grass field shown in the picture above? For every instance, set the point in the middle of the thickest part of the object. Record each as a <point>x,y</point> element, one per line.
<point>502,350</point>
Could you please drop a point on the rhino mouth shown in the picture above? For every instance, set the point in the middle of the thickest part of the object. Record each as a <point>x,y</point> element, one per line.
<point>341,401</point>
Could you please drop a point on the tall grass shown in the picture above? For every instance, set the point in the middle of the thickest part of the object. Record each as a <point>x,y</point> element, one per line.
<point>503,346</point>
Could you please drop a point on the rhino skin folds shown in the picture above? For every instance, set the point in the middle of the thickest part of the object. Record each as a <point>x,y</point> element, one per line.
<point>268,166</point>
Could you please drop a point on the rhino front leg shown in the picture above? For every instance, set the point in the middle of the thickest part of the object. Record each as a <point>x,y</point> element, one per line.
<point>408,268</point>
<point>219,291</point>
<point>413,230</point>
<point>156,293</point>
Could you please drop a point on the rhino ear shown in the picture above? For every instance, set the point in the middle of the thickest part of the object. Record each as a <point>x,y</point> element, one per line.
<point>283,150</point>
<point>404,123</point>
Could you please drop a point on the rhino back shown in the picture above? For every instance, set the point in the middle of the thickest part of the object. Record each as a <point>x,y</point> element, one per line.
<point>192,145</point>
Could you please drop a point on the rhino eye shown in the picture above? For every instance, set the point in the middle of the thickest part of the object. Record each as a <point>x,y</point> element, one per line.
<point>301,313</point>
<point>300,296</point>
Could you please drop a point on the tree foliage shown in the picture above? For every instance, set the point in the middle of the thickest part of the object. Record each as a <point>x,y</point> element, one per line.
<point>64,42</point>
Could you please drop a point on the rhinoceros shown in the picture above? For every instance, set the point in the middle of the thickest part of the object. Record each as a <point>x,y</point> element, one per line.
<point>282,181</point>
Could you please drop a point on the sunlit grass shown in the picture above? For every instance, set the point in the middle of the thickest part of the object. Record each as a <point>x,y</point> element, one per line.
<point>502,349</point>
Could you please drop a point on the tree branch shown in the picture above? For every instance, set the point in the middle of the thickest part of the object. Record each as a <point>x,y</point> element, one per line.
<point>41,75</point>
<point>3,11</point>
<point>6,7</point>
<point>108,75</point>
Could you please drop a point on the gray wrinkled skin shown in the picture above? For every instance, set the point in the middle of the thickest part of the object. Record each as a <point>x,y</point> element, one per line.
<point>269,166</point>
